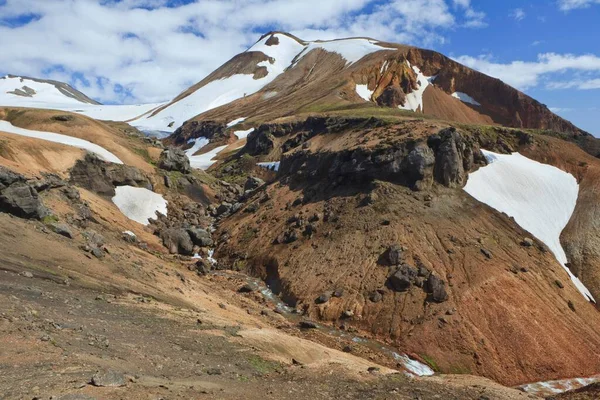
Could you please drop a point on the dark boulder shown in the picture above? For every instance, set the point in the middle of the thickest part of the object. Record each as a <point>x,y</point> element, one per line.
<point>436,287</point>
<point>453,158</point>
<point>401,280</point>
<point>253,183</point>
<point>200,237</point>
<point>394,255</point>
<point>174,160</point>
<point>177,241</point>
<point>22,200</point>
<point>102,177</point>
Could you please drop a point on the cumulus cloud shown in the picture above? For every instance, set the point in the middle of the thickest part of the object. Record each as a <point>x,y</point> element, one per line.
<point>568,5</point>
<point>150,50</point>
<point>548,69</point>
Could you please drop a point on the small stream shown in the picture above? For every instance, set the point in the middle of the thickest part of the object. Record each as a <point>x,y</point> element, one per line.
<point>412,367</point>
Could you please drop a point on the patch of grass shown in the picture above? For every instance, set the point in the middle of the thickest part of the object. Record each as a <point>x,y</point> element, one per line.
<point>143,152</point>
<point>50,219</point>
<point>459,370</point>
<point>429,360</point>
<point>263,366</point>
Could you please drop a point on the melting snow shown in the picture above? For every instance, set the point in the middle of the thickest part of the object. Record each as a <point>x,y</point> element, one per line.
<point>139,204</point>
<point>235,122</point>
<point>364,92</point>
<point>465,98</point>
<point>414,100</point>
<point>549,388</point>
<point>413,366</point>
<point>273,166</point>
<point>202,161</point>
<point>243,134</point>
<point>541,198</point>
<point>102,153</point>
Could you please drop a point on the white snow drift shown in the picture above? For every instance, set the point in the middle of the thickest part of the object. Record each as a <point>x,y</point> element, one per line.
<point>202,161</point>
<point>364,92</point>
<point>465,98</point>
<point>352,50</point>
<point>541,198</point>
<point>139,204</point>
<point>271,165</point>
<point>101,152</point>
<point>243,134</point>
<point>414,99</point>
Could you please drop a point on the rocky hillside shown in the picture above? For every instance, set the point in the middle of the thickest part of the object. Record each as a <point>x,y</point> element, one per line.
<point>366,225</point>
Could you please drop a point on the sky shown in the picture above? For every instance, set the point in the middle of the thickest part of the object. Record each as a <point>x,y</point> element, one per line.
<point>147,51</point>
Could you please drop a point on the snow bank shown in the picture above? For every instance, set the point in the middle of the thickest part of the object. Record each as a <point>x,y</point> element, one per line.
<point>243,134</point>
<point>139,204</point>
<point>273,165</point>
<point>364,92</point>
<point>235,122</point>
<point>352,50</point>
<point>541,198</point>
<point>414,367</point>
<point>414,99</point>
<point>548,388</point>
<point>465,98</point>
<point>102,153</point>
<point>202,161</point>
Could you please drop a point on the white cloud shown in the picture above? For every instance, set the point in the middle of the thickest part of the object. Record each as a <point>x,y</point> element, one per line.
<point>518,14</point>
<point>148,50</point>
<point>527,74</point>
<point>568,5</point>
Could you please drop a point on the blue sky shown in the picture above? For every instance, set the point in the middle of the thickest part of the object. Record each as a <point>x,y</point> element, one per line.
<point>133,51</point>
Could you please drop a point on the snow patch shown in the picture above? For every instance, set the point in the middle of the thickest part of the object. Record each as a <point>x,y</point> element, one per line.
<point>273,166</point>
<point>235,122</point>
<point>541,198</point>
<point>364,92</point>
<point>414,99</point>
<point>101,152</point>
<point>465,98</point>
<point>548,388</point>
<point>352,50</point>
<point>139,204</point>
<point>243,134</point>
<point>413,366</point>
<point>202,161</point>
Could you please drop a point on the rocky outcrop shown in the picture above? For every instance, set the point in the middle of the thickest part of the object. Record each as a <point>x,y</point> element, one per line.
<point>445,158</point>
<point>18,197</point>
<point>102,177</point>
<point>174,160</point>
<point>212,130</point>
<point>177,241</point>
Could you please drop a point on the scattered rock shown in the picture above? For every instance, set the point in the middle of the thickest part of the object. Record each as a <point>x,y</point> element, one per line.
<point>486,253</point>
<point>177,241</point>
<point>98,252</point>
<point>308,325</point>
<point>437,288</point>
<point>571,305</point>
<point>27,274</point>
<point>394,255</point>
<point>347,349</point>
<point>61,229</point>
<point>203,267</point>
<point>253,183</point>
<point>200,237</point>
<point>527,242</point>
<point>559,284</point>
<point>324,298</point>
<point>401,280</point>
<point>214,371</point>
<point>373,369</point>
<point>174,159</point>
<point>375,297</point>
<point>18,197</point>
<point>247,288</point>
<point>75,396</point>
<point>338,292</point>
<point>108,378</point>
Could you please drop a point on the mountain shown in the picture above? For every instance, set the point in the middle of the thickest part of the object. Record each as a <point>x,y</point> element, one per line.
<point>282,75</point>
<point>27,92</point>
<point>331,219</point>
